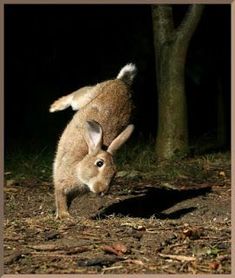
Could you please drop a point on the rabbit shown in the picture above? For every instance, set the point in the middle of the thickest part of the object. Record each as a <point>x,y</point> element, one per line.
<point>84,95</point>
<point>80,164</point>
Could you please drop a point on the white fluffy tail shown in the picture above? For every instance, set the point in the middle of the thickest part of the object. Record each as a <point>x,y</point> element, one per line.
<point>127,73</point>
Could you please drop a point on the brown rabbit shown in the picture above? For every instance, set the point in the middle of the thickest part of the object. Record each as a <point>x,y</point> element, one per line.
<point>80,164</point>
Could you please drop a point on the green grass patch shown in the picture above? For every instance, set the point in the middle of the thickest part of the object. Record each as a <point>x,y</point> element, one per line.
<point>29,163</point>
<point>139,161</point>
<point>135,161</point>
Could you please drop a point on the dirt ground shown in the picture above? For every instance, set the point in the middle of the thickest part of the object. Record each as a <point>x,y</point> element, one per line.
<point>143,225</point>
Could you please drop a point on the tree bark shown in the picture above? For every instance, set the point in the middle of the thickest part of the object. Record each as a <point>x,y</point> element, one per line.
<point>171,46</point>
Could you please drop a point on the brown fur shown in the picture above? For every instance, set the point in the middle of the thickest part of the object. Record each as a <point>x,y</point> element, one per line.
<point>111,108</point>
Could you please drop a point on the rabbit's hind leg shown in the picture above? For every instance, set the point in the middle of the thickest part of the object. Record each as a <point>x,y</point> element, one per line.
<point>61,103</point>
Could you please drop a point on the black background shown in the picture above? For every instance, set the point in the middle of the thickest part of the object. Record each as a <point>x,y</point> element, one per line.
<point>51,50</point>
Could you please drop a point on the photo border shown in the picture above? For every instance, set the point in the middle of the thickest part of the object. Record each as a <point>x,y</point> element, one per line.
<point>2,3</point>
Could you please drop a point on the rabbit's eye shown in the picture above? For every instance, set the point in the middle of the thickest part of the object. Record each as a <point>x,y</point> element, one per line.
<point>99,163</point>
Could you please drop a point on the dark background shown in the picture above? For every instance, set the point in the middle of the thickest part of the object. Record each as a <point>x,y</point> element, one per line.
<point>51,50</point>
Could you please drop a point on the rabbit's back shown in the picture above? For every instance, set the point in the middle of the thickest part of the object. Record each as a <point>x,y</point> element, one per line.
<point>111,109</point>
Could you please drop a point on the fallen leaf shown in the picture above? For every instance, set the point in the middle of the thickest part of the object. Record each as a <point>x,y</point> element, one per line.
<point>111,250</point>
<point>120,247</point>
<point>214,265</point>
<point>117,248</point>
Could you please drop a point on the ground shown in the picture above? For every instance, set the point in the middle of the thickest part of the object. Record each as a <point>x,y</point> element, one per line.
<point>148,223</point>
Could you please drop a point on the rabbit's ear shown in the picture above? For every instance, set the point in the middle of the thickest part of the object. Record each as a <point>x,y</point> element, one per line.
<point>120,139</point>
<point>93,136</point>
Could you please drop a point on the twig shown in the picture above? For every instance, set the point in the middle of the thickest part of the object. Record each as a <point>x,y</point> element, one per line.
<point>111,268</point>
<point>184,265</point>
<point>178,245</point>
<point>54,254</point>
<point>177,257</point>
<point>46,247</point>
<point>138,262</point>
<point>16,238</point>
<point>62,249</point>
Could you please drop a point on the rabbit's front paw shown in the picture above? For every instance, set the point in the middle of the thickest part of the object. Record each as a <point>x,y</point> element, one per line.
<point>63,215</point>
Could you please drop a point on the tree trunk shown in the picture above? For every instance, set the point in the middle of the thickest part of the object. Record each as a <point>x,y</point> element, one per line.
<point>172,122</point>
<point>170,52</point>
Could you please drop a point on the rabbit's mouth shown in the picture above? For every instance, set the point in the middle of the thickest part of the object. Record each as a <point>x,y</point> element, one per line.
<point>99,191</point>
<point>90,188</point>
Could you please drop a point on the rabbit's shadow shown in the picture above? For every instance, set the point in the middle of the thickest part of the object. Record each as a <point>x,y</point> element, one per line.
<point>153,202</point>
